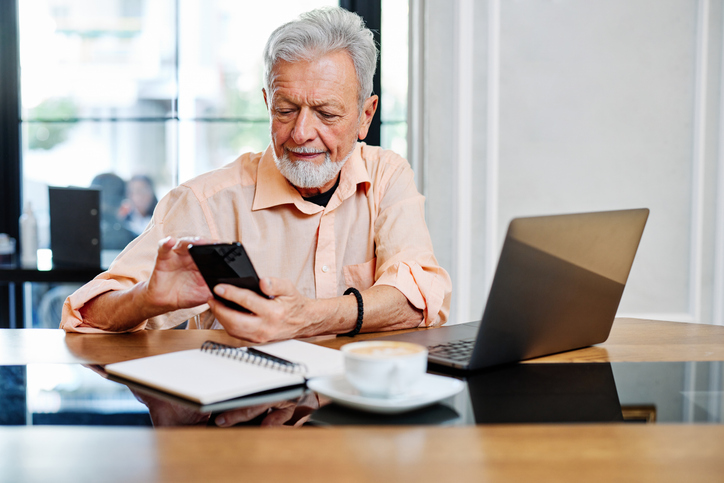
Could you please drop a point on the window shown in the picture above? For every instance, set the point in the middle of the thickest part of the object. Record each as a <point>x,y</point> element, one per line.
<point>155,91</point>
<point>393,111</point>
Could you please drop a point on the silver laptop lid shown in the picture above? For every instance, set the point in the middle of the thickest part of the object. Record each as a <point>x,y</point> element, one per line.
<point>558,284</point>
<point>557,287</point>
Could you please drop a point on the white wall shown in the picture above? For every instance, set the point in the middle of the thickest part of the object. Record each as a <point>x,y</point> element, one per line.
<point>531,107</point>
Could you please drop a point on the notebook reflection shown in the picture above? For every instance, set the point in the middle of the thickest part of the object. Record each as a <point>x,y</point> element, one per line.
<point>284,412</point>
<point>286,407</point>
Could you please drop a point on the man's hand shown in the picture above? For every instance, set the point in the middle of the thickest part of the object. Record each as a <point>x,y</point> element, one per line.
<point>287,315</point>
<point>295,412</point>
<point>290,315</point>
<point>175,282</point>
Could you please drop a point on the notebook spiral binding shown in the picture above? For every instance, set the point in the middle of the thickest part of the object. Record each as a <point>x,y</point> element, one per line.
<point>256,358</point>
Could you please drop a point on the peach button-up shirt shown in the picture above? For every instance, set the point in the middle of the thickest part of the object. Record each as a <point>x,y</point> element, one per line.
<point>372,232</point>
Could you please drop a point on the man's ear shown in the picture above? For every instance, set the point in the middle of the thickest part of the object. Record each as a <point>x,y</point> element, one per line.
<point>266,102</point>
<point>368,112</point>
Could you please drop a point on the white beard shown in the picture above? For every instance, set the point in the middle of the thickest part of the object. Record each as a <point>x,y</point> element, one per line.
<point>306,174</point>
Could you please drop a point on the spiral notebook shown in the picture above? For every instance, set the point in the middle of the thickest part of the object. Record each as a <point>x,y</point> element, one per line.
<point>218,372</point>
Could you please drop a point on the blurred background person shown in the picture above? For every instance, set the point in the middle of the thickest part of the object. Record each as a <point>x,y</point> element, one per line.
<point>114,235</point>
<point>140,202</point>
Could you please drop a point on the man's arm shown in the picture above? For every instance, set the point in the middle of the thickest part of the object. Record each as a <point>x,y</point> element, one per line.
<point>175,283</point>
<point>291,315</point>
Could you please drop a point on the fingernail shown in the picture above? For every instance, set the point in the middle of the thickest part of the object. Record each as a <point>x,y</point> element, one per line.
<point>220,421</point>
<point>219,290</point>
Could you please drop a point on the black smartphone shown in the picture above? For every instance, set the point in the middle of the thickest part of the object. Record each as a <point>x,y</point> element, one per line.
<point>226,263</point>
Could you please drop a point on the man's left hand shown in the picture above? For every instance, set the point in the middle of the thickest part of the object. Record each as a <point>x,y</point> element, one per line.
<point>287,314</point>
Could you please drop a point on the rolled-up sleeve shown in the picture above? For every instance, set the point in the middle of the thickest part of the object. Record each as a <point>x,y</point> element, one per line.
<point>405,258</point>
<point>178,214</point>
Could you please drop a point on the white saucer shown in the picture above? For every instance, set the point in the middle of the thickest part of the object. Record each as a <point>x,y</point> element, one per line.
<point>429,390</point>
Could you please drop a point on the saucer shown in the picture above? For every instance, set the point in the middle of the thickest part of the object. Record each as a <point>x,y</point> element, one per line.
<point>429,390</point>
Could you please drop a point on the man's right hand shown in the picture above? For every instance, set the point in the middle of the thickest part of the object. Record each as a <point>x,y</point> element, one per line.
<point>175,282</point>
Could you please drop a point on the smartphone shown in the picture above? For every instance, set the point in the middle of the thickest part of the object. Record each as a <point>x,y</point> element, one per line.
<point>226,263</point>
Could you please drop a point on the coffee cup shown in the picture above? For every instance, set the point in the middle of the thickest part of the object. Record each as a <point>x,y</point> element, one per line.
<point>384,369</point>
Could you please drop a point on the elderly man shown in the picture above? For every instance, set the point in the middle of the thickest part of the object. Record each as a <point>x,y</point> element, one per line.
<point>318,212</point>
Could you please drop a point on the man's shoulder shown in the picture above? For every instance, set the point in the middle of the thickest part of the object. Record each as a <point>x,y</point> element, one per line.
<point>375,156</point>
<point>238,173</point>
<point>385,167</point>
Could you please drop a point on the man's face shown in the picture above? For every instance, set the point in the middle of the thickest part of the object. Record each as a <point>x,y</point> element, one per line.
<point>314,113</point>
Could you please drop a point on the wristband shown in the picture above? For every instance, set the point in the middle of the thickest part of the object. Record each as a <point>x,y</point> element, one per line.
<point>360,312</point>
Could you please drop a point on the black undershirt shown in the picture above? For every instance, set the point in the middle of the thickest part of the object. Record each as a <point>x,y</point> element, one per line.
<point>323,198</point>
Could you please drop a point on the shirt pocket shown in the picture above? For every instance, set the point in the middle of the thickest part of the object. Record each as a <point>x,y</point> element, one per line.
<point>360,276</point>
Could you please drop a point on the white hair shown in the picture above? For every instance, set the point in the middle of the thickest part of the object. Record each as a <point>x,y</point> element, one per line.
<point>321,32</point>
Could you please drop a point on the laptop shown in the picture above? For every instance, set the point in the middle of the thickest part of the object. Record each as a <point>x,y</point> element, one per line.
<point>557,287</point>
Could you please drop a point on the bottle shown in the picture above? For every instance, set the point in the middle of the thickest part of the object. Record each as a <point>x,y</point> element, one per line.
<point>7,251</point>
<point>28,238</point>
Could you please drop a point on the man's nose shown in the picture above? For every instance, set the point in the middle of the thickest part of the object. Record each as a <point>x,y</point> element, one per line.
<point>304,129</point>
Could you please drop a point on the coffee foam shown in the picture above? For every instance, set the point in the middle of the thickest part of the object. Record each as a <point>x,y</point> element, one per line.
<point>386,349</point>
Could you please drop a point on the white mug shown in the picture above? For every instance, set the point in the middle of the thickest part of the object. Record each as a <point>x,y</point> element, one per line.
<point>384,368</point>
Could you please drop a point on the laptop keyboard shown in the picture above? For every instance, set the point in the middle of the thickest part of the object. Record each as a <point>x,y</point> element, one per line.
<point>457,351</point>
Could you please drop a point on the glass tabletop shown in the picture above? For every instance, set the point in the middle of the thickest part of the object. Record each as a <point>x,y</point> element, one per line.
<point>666,392</point>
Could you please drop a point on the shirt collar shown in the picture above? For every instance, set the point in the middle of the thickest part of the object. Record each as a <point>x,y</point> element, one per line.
<point>273,189</point>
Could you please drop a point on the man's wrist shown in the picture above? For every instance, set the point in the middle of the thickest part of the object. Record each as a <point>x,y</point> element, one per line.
<point>146,305</point>
<point>344,319</point>
<point>330,316</point>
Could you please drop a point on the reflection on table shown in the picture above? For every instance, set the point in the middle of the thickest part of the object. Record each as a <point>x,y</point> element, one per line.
<point>670,392</point>
<point>649,390</point>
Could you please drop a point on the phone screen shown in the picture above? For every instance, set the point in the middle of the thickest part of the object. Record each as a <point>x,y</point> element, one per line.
<point>226,263</point>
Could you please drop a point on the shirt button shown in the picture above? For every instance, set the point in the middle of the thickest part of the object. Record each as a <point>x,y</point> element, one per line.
<point>325,269</point>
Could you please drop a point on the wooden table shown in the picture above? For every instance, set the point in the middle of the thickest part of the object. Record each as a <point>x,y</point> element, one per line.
<point>631,340</point>
<point>544,453</point>
<point>591,453</point>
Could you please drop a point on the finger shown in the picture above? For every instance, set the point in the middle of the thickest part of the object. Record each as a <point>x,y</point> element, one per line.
<point>239,324</point>
<point>165,245</point>
<point>183,243</point>
<point>278,417</point>
<point>244,297</point>
<point>165,250</point>
<point>274,287</point>
<point>235,416</point>
<point>223,311</point>
<point>303,420</point>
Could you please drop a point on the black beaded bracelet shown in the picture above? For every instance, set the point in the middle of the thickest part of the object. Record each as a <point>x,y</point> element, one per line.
<point>360,312</point>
